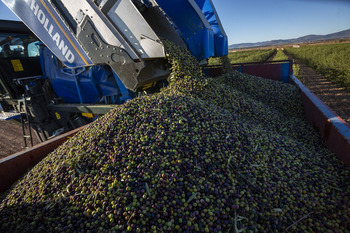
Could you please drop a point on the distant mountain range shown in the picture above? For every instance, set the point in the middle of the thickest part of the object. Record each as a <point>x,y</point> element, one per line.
<point>309,38</point>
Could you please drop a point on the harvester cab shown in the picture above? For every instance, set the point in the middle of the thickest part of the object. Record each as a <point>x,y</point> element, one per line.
<point>93,54</point>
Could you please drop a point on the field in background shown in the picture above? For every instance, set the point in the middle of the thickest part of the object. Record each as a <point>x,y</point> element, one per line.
<point>330,60</point>
<point>323,68</point>
<point>280,55</point>
<point>256,55</point>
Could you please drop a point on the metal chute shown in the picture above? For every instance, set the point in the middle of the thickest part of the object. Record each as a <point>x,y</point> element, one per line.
<point>124,34</point>
<point>220,37</point>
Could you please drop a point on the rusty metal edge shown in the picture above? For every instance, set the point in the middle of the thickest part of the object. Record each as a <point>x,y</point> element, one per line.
<point>250,63</point>
<point>16,165</point>
<point>334,131</point>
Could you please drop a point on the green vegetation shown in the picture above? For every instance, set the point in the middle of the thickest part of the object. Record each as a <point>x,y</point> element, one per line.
<point>330,60</point>
<point>280,55</point>
<point>245,56</point>
<point>296,70</point>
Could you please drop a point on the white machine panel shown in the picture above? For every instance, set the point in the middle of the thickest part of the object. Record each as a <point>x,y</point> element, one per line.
<point>137,31</point>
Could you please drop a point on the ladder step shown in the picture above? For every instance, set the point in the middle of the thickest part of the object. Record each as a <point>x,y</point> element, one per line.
<point>27,136</point>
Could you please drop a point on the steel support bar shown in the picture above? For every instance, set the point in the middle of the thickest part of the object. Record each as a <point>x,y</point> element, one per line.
<point>82,108</point>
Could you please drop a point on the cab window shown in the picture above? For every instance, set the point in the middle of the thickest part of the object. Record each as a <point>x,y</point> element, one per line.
<point>17,46</point>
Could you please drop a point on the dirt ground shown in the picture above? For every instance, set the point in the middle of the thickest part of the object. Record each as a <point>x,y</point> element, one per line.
<point>332,95</point>
<point>11,138</point>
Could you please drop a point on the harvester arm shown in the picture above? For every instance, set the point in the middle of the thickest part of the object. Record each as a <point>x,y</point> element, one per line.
<point>125,34</point>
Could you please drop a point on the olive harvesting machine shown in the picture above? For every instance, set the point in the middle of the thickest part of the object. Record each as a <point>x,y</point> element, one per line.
<point>82,58</point>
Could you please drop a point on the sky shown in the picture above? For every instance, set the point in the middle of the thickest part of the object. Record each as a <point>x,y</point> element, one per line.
<point>263,20</point>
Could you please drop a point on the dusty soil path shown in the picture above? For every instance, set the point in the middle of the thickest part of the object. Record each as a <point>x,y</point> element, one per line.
<point>11,138</point>
<point>272,56</point>
<point>332,95</point>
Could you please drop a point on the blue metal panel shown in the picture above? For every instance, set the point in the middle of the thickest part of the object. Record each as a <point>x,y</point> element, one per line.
<point>193,26</point>
<point>221,45</point>
<point>285,72</point>
<point>86,85</point>
<point>125,94</point>
<point>42,19</point>
<point>220,38</point>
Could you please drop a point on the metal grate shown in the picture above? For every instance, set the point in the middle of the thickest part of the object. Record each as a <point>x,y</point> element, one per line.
<point>5,116</point>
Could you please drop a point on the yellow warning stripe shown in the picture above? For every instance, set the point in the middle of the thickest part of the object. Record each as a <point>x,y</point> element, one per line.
<point>72,43</point>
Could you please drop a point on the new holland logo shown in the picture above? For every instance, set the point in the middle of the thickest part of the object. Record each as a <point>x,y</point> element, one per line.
<point>51,30</point>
